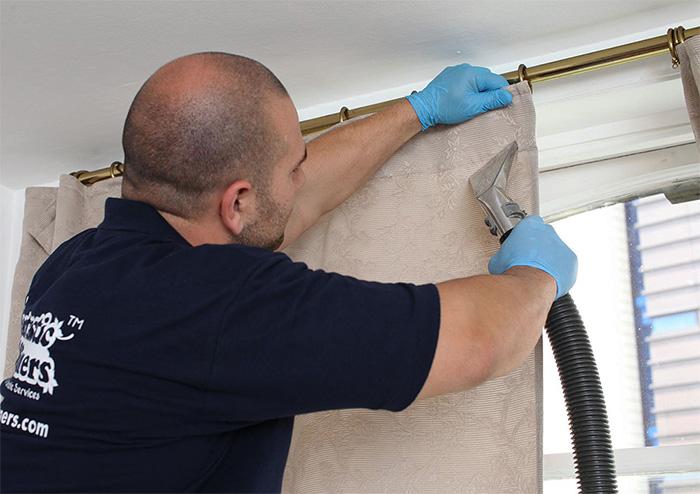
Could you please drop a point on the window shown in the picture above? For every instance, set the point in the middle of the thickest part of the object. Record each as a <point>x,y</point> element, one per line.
<point>674,324</point>
<point>638,291</point>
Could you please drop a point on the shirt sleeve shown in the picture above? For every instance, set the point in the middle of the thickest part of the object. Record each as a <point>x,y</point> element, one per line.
<point>297,340</point>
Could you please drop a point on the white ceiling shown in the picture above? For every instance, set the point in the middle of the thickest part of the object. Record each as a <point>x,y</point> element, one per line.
<point>70,69</point>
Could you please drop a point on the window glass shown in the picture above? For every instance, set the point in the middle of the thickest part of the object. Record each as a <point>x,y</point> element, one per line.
<point>638,291</point>
<point>673,323</point>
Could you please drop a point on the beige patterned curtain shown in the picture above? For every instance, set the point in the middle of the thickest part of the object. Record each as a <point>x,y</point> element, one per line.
<point>416,220</point>
<point>689,57</point>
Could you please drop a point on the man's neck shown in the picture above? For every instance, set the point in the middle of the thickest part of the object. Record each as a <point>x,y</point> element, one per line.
<point>197,232</point>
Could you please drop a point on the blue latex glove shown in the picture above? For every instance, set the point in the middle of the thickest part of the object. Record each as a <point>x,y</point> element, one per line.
<point>535,244</point>
<point>459,93</point>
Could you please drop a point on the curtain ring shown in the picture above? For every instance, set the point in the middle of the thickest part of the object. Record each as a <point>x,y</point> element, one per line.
<point>672,42</point>
<point>114,168</point>
<point>522,75</point>
<point>343,114</point>
<point>679,34</point>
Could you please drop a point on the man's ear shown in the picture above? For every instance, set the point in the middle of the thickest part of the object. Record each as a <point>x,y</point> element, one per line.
<point>237,208</point>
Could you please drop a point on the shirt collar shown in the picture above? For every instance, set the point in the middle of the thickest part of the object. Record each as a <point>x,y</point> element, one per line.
<point>137,216</point>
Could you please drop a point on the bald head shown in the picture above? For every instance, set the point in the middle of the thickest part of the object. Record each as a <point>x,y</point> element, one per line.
<point>197,124</point>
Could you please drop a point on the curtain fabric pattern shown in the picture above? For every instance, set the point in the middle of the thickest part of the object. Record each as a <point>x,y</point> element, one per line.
<point>689,57</point>
<point>416,220</point>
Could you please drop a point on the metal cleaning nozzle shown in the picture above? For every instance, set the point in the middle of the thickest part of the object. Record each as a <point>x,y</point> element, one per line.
<point>489,186</point>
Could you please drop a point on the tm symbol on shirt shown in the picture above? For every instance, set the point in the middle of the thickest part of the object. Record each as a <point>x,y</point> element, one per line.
<point>74,321</point>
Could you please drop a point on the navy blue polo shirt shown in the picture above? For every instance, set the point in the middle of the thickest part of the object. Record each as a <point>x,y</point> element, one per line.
<point>148,365</point>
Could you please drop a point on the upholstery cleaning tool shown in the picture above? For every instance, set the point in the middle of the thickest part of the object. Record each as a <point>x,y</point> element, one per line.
<point>583,393</point>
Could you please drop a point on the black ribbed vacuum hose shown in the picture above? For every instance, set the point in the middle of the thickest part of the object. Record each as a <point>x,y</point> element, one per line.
<point>583,393</point>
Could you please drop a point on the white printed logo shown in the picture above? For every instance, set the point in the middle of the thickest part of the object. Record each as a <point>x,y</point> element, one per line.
<point>34,364</point>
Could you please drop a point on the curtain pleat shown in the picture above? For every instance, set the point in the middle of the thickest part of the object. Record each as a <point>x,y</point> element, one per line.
<point>689,57</point>
<point>416,220</point>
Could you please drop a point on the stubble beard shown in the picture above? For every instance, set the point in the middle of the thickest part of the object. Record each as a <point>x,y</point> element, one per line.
<point>267,232</point>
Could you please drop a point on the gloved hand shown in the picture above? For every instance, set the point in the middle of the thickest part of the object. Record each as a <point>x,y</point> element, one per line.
<point>459,93</point>
<point>533,243</point>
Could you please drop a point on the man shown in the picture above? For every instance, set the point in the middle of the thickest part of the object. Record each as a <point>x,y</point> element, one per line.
<point>197,344</point>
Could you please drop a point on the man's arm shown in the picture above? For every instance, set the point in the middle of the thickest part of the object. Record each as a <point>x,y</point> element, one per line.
<point>488,327</point>
<point>342,160</point>
<point>490,324</point>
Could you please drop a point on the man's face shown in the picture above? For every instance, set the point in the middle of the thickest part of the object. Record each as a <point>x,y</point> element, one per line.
<point>275,202</point>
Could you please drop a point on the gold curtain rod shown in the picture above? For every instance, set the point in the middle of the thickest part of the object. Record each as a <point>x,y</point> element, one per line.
<point>538,73</point>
